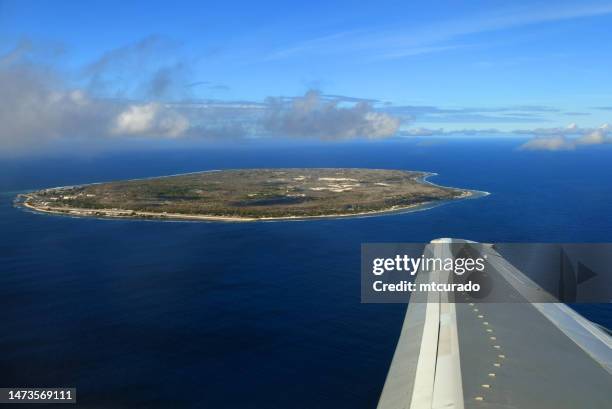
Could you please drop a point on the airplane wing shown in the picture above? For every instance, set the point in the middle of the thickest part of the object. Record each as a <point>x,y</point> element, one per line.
<point>524,355</point>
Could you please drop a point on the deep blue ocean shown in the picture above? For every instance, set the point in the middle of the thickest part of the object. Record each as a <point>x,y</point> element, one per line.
<point>150,314</point>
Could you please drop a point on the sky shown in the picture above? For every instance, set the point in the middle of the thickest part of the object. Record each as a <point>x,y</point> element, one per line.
<point>110,70</point>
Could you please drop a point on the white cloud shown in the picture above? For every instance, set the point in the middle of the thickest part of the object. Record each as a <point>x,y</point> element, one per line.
<point>572,127</point>
<point>599,136</point>
<point>549,143</point>
<point>150,119</point>
<point>36,106</point>
<point>314,116</point>
<point>378,125</point>
<point>420,131</point>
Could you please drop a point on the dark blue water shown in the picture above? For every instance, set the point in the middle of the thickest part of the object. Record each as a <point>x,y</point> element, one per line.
<point>186,314</point>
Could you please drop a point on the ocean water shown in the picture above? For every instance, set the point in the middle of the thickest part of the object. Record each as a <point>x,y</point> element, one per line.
<point>149,314</point>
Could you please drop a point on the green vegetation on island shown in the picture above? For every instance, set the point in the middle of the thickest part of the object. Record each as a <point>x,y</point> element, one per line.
<point>248,194</point>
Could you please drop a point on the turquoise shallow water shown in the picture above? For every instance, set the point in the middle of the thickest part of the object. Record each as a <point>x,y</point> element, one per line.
<point>238,315</point>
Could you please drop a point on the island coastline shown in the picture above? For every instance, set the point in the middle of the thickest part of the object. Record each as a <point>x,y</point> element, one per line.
<point>24,200</point>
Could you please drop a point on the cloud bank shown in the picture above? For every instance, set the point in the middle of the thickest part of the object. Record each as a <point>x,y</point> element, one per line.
<point>134,92</point>
<point>38,106</point>
<point>570,138</point>
<point>313,116</point>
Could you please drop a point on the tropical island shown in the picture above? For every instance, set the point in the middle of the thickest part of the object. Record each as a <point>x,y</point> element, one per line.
<point>248,195</point>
